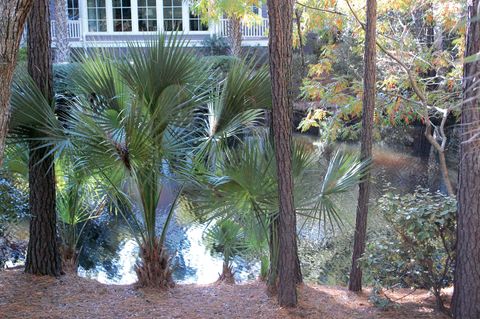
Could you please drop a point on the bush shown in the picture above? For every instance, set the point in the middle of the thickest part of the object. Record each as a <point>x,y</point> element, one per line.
<point>13,207</point>
<point>216,46</point>
<point>417,248</point>
<point>328,260</point>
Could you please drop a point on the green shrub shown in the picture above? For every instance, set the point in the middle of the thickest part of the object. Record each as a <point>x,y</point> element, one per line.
<point>328,260</point>
<point>13,202</point>
<point>216,46</point>
<point>220,62</point>
<point>417,247</point>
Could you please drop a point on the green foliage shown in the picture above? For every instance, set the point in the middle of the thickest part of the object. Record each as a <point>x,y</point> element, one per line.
<point>79,199</point>
<point>328,260</point>
<point>217,9</point>
<point>216,46</point>
<point>227,238</point>
<point>13,202</point>
<point>62,77</point>
<point>417,248</point>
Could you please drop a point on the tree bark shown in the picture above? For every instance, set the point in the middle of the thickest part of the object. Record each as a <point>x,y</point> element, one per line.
<point>280,52</point>
<point>355,283</point>
<point>235,36</point>
<point>62,52</point>
<point>13,14</point>
<point>466,294</point>
<point>42,255</point>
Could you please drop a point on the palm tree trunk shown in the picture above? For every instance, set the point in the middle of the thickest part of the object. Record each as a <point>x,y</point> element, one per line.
<point>280,51</point>
<point>43,257</point>
<point>235,36</point>
<point>355,283</point>
<point>62,52</point>
<point>466,294</point>
<point>13,14</point>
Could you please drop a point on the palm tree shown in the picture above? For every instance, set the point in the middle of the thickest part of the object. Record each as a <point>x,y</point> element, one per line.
<point>243,188</point>
<point>80,199</point>
<point>236,106</point>
<point>228,238</point>
<point>132,125</point>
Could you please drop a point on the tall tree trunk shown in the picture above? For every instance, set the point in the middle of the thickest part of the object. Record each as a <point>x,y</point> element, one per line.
<point>466,294</point>
<point>42,255</point>
<point>298,18</point>
<point>280,51</point>
<point>62,52</point>
<point>235,36</point>
<point>13,14</point>
<point>369,79</point>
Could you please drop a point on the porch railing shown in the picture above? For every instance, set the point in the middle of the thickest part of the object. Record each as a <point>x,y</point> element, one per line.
<point>74,29</point>
<point>250,29</point>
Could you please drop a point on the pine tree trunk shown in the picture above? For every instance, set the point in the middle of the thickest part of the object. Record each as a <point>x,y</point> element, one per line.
<point>62,52</point>
<point>13,14</point>
<point>466,295</point>
<point>280,51</point>
<point>355,283</point>
<point>42,255</point>
<point>235,36</point>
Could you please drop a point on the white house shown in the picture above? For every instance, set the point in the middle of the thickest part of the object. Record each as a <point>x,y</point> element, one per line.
<point>111,23</point>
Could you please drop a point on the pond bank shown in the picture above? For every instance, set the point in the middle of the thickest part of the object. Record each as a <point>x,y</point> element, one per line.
<point>27,296</point>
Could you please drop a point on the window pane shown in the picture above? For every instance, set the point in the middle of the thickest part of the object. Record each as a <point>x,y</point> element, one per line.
<point>117,25</point>
<point>152,13</point>
<point>177,13</point>
<point>167,13</point>
<point>152,3</point>
<point>117,13</point>
<point>167,25</point>
<point>177,3</point>
<point>101,3</point>
<point>152,25</point>
<point>127,26</point>
<point>142,3</point>
<point>142,13</point>
<point>142,25</point>
<point>92,26</point>
<point>92,14</point>
<point>127,14</point>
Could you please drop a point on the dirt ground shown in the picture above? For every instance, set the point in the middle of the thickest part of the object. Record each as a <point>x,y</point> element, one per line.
<point>27,296</point>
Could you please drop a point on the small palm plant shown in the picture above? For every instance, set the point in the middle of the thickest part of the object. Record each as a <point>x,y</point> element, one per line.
<point>79,200</point>
<point>227,238</point>
<point>132,125</point>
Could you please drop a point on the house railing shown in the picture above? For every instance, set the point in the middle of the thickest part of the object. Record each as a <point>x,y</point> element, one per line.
<point>74,29</point>
<point>251,29</point>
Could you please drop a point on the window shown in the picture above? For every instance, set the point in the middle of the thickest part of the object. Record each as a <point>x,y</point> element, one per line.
<point>122,15</point>
<point>255,9</point>
<point>172,15</point>
<point>72,9</point>
<point>147,15</point>
<point>97,16</point>
<point>196,23</point>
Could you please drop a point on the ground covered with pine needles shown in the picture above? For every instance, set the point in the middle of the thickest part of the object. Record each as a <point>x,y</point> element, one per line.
<point>28,296</point>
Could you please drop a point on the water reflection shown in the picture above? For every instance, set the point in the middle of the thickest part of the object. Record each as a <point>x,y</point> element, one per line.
<point>191,263</point>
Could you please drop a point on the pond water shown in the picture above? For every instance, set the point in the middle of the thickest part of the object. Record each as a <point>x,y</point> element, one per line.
<point>111,252</point>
